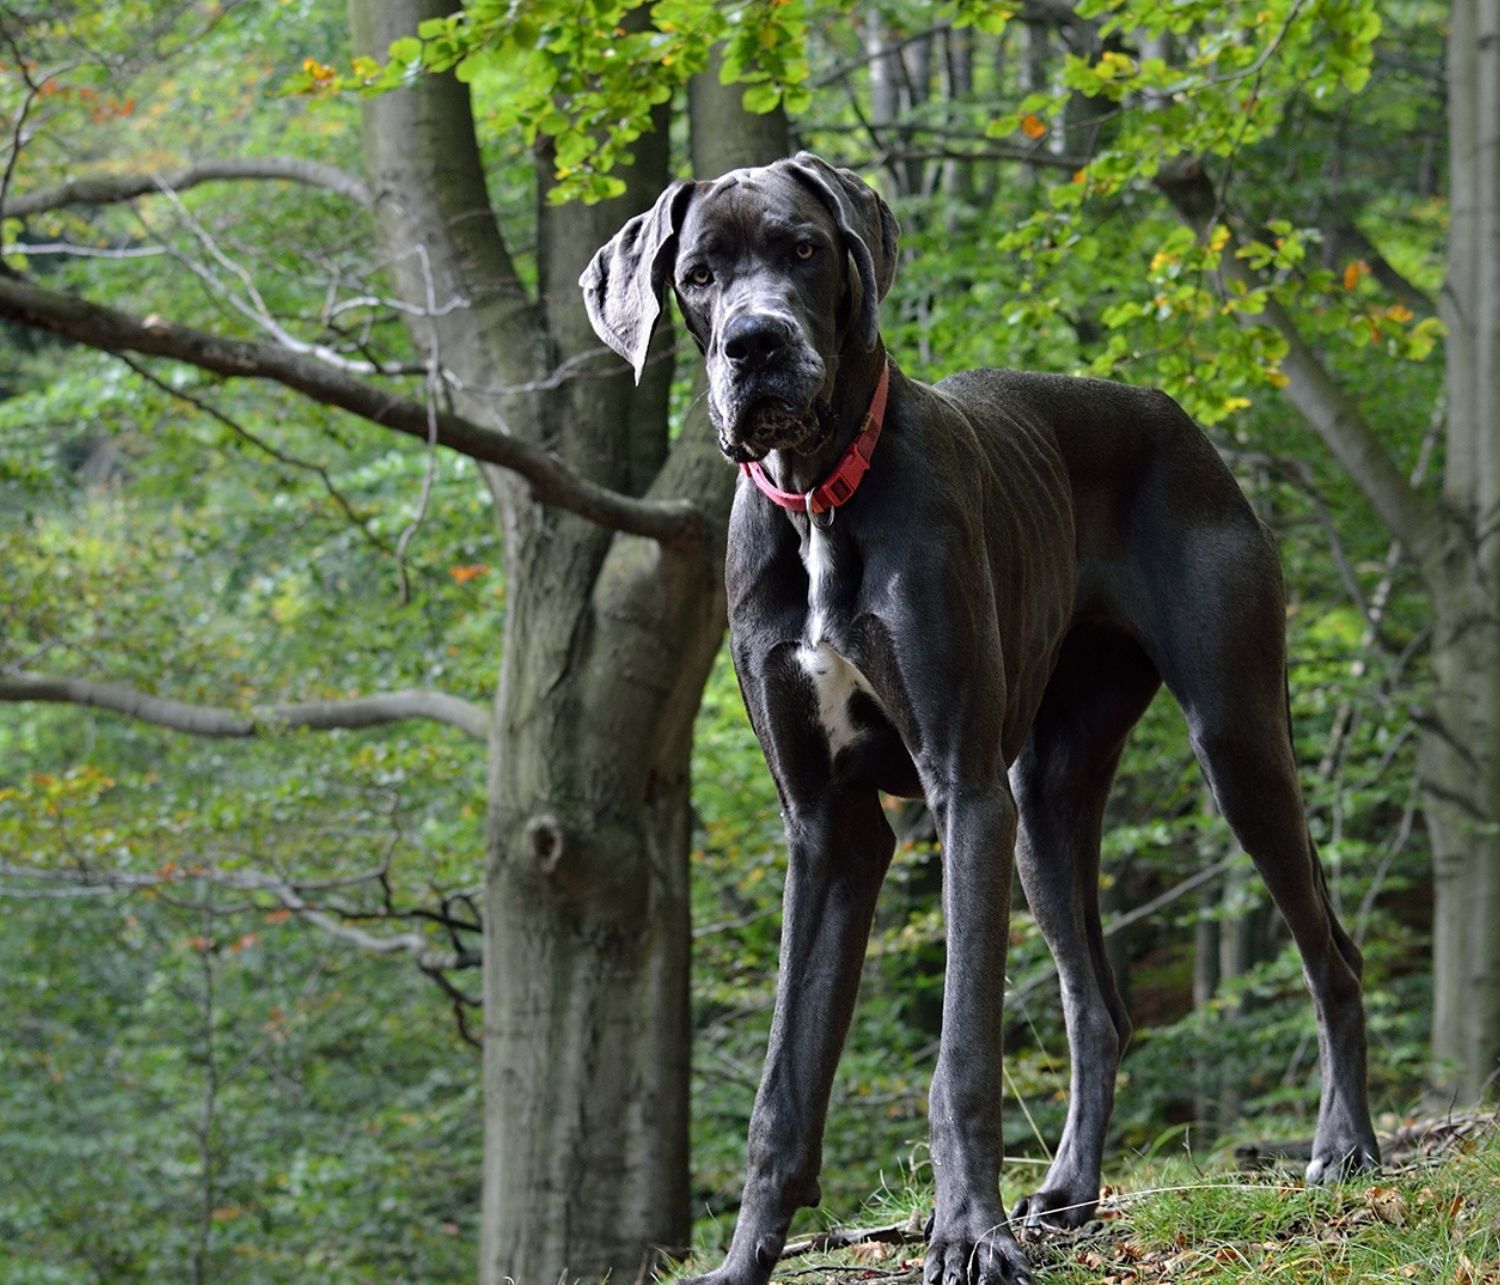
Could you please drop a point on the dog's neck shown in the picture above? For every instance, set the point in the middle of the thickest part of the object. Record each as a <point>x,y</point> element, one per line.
<point>854,385</point>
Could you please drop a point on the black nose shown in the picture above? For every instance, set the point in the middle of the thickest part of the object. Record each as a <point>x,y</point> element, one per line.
<point>754,341</point>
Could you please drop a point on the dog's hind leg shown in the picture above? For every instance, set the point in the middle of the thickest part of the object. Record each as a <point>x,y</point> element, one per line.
<point>1227,669</point>
<point>1102,684</point>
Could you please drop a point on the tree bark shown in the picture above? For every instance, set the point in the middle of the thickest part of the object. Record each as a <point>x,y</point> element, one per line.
<point>1460,753</point>
<point>608,642</point>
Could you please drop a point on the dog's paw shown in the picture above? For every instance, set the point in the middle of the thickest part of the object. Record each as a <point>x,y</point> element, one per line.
<point>1055,1209</point>
<point>728,1274</point>
<point>981,1256</point>
<point>744,1266</point>
<point>1334,1162</point>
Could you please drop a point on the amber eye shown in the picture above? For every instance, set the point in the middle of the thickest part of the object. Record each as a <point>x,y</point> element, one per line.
<point>806,250</point>
<point>699,276</point>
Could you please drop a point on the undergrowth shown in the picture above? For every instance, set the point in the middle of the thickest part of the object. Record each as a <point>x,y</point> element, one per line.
<point>1435,1219</point>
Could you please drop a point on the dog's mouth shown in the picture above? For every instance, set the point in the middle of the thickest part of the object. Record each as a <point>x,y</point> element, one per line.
<point>737,453</point>
<point>761,426</point>
<point>768,424</point>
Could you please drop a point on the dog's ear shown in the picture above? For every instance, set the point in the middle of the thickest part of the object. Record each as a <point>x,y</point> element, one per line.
<point>624,284</point>
<point>868,227</point>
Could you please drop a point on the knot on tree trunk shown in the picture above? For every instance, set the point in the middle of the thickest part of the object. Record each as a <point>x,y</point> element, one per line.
<point>544,839</point>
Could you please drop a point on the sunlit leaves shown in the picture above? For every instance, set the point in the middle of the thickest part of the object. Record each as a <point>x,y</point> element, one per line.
<point>585,80</point>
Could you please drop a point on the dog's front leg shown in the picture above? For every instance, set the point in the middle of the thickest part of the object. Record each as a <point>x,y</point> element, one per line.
<point>840,849</point>
<point>970,1239</point>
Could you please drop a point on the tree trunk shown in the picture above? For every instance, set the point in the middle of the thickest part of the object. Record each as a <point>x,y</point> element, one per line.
<point>1461,746</point>
<point>608,642</point>
<point>586,911</point>
<point>1457,763</point>
<point>587,964</point>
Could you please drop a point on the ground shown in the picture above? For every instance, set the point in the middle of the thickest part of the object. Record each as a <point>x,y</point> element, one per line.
<point>1432,1215</point>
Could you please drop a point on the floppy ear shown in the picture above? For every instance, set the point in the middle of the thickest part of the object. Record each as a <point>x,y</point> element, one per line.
<point>624,284</point>
<point>868,227</point>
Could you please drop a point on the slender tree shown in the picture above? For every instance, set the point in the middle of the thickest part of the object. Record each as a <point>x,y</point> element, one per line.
<point>1461,742</point>
<point>1453,539</point>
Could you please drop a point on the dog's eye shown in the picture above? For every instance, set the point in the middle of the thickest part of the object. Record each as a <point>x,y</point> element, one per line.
<point>699,276</point>
<point>805,250</point>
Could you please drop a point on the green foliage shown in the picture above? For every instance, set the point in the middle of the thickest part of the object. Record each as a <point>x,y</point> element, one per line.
<point>584,80</point>
<point>182,1088</point>
<point>195,1080</point>
<point>151,544</point>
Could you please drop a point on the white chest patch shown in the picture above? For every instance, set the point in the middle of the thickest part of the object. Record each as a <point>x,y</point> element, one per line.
<point>817,557</point>
<point>835,680</point>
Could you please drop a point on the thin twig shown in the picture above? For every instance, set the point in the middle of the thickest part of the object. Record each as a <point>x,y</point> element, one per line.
<point>280,456</point>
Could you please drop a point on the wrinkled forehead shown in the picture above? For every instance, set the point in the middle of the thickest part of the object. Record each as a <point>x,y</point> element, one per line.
<point>744,206</point>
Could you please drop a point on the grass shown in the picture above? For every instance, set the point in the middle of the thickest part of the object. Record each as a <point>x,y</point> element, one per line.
<point>1435,1219</point>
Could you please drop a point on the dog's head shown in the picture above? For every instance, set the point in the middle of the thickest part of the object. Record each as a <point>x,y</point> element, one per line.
<point>776,270</point>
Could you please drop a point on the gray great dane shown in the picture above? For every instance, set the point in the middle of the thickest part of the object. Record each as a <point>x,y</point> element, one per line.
<point>969,591</point>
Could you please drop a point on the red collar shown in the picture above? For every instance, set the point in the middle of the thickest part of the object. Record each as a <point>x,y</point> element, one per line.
<point>839,486</point>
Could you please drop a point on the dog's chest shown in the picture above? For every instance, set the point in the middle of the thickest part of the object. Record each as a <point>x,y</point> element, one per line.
<point>836,680</point>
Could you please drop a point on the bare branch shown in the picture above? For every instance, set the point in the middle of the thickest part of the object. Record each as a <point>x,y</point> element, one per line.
<point>1048,971</point>
<point>981,147</point>
<point>112,189</point>
<point>291,895</point>
<point>428,959</point>
<point>72,250</point>
<point>262,720</point>
<point>843,1237</point>
<point>18,130</point>
<point>553,481</point>
<point>251,304</point>
<point>434,387</point>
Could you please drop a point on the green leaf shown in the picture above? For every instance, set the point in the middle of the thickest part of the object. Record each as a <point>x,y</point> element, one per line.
<point>761,99</point>
<point>408,49</point>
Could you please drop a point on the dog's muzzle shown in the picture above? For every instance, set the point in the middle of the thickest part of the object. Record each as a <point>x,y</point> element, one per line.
<point>764,381</point>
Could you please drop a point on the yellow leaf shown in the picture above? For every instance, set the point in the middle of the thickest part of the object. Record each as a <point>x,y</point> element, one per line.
<point>1354,272</point>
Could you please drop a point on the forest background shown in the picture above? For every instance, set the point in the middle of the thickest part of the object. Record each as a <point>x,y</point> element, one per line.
<point>356,608</point>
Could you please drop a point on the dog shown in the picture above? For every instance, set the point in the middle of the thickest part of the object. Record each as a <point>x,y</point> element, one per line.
<point>968,591</point>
